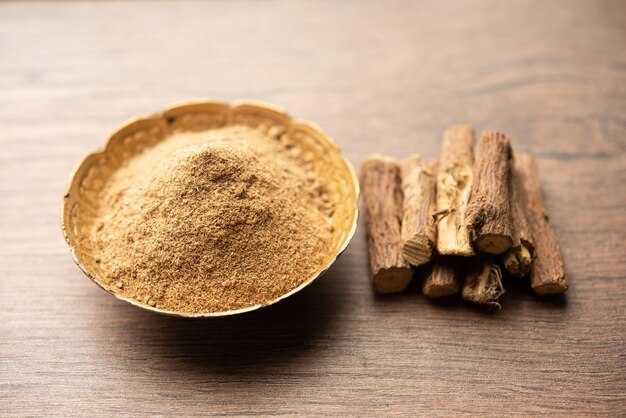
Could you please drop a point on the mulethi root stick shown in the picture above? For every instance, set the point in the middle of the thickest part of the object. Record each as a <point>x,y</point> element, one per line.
<point>489,210</point>
<point>382,201</point>
<point>483,282</point>
<point>454,184</point>
<point>444,278</point>
<point>518,259</point>
<point>418,225</point>
<point>548,271</point>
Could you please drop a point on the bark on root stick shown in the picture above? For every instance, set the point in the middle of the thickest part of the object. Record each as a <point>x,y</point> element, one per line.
<point>518,259</point>
<point>483,283</point>
<point>454,184</point>
<point>489,209</point>
<point>418,224</point>
<point>382,201</point>
<point>444,278</point>
<point>547,274</point>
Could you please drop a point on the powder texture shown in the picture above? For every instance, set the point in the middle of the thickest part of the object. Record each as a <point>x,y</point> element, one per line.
<point>212,221</point>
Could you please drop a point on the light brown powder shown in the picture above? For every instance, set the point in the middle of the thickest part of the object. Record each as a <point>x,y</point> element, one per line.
<point>212,221</point>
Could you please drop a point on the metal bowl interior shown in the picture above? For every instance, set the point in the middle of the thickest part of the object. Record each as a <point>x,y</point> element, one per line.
<point>81,198</point>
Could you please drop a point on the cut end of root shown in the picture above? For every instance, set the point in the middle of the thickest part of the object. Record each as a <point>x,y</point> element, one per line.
<point>552,288</point>
<point>493,243</point>
<point>418,250</point>
<point>392,280</point>
<point>440,291</point>
<point>484,286</point>
<point>458,251</point>
<point>517,261</point>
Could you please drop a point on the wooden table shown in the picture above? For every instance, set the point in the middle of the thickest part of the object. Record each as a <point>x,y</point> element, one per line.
<point>383,77</point>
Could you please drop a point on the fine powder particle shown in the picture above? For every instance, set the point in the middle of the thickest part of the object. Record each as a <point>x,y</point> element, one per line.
<point>212,221</point>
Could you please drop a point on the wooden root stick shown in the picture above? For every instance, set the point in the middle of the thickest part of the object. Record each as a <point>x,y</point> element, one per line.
<point>483,283</point>
<point>454,184</point>
<point>444,278</point>
<point>382,201</point>
<point>518,259</point>
<point>418,224</point>
<point>489,211</point>
<point>547,274</point>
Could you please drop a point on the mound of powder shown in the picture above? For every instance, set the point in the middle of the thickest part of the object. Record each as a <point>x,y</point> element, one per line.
<point>212,221</point>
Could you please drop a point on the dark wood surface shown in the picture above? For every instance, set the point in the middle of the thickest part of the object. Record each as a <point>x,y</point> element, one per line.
<point>383,77</point>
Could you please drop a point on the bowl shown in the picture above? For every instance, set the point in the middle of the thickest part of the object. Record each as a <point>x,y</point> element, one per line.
<point>81,198</point>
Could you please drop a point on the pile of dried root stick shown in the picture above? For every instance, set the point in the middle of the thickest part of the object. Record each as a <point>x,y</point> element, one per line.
<point>467,216</point>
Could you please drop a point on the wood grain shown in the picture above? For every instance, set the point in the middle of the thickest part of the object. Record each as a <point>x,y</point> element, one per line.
<point>384,77</point>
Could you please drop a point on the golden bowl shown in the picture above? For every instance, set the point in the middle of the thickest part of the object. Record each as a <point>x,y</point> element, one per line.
<point>81,198</point>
